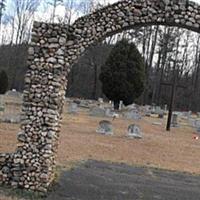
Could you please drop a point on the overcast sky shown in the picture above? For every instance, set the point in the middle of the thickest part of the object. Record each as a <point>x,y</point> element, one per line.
<point>198,1</point>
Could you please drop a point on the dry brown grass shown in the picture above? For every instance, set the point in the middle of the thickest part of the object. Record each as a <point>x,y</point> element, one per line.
<point>175,150</point>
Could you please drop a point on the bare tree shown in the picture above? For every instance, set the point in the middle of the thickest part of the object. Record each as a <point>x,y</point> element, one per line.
<point>2,9</point>
<point>23,14</point>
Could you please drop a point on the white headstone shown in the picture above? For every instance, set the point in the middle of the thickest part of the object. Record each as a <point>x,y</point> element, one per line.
<point>11,109</point>
<point>147,110</point>
<point>112,105</point>
<point>121,105</point>
<point>192,122</point>
<point>108,112</point>
<point>134,131</point>
<point>13,119</point>
<point>132,114</point>
<point>197,126</point>
<point>165,108</point>
<point>72,108</point>
<point>157,123</point>
<point>105,127</point>
<point>159,111</point>
<point>97,112</point>
<point>1,104</point>
<point>100,100</point>
<point>13,93</point>
<point>189,114</point>
<point>153,109</point>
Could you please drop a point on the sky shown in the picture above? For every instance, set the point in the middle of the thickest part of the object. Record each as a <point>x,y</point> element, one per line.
<point>43,13</point>
<point>197,1</point>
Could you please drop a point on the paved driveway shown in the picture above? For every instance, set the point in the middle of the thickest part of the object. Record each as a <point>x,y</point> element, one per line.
<point>103,181</point>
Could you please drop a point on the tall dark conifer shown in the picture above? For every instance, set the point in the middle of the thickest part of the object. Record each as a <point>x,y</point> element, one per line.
<point>123,74</point>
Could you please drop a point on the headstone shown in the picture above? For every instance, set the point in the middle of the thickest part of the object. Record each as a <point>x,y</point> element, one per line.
<point>101,106</point>
<point>157,123</point>
<point>189,114</point>
<point>112,105</point>
<point>121,105</point>
<point>1,104</point>
<point>97,112</point>
<point>197,126</point>
<point>108,112</point>
<point>153,109</point>
<point>174,122</point>
<point>157,110</point>
<point>13,93</point>
<point>132,107</point>
<point>184,115</point>
<point>105,128</point>
<point>192,122</point>
<point>72,108</point>
<point>165,108</point>
<point>147,111</point>
<point>132,114</point>
<point>134,131</point>
<point>84,104</point>
<point>100,100</point>
<point>11,112</point>
<point>2,108</point>
<point>161,114</point>
<point>13,119</point>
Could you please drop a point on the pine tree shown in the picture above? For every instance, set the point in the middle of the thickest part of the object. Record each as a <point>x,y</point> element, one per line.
<point>123,74</point>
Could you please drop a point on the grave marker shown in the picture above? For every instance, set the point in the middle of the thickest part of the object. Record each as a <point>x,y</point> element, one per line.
<point>134,131</point>
<point>174,122</point>
<point>72,108</point>
<point>97,112</point>
<point>121,105</point>
<point>105,127</point>
<point>132,114</point>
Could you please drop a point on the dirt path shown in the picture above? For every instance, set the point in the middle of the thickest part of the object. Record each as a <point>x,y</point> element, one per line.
<point>96,180</point>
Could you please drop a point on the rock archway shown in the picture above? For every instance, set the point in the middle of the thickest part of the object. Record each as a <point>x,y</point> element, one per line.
<point>54,48</point>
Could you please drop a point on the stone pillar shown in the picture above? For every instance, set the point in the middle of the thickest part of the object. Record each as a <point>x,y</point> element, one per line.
<point>32,165</point>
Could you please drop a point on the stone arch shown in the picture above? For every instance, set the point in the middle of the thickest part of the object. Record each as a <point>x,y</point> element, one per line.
<point>54,48</point>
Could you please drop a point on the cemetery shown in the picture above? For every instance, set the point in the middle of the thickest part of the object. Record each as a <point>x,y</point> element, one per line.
<point>49,139</point>
<point>95,137</point>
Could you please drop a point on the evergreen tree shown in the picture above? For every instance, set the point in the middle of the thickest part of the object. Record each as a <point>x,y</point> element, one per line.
<point>123,74</point>
<point>3,82</point>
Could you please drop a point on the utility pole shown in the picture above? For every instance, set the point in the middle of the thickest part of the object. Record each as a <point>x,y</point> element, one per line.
<point>172,100</point>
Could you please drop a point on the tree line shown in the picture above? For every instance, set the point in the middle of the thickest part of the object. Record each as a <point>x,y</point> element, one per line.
<point>168,52</point>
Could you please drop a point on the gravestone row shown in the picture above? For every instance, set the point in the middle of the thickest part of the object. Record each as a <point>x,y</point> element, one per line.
<point>105,128</point>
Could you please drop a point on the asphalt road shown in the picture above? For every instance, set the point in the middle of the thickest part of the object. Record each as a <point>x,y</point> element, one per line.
<point>103,181</point>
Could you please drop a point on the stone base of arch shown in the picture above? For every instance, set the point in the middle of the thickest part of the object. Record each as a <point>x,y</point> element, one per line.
<point>14,172</point>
